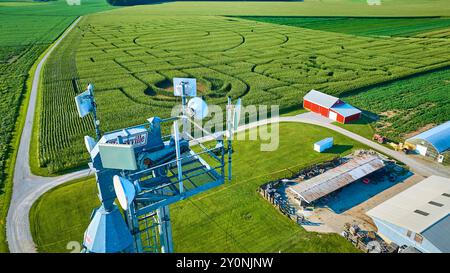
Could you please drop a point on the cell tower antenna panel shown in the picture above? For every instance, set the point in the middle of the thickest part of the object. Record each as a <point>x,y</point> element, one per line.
<point>84,103</point>
<point>89,142</point>
<point>185,87</point>
<point>118,156</point>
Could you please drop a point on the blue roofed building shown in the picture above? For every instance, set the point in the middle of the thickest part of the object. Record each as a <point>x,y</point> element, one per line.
<point>434,143</point>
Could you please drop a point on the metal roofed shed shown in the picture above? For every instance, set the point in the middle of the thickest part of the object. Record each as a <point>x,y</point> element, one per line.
<point>434,142</point>
<point>336,178</point>
<point>321,99</point>
<point>323,144</point>
<point>419,216</point>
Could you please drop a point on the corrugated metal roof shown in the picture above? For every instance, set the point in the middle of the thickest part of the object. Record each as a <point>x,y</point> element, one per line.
<point>401,209</point>
<point>439,234</point>
<point>438,137</point>
<point>320,98</point>
<point>346,110</point>
<point>326,183</point>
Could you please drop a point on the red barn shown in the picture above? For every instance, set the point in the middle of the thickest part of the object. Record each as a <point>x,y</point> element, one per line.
<point>330,107</point>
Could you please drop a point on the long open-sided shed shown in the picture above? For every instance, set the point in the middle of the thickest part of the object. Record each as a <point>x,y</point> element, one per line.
<point>312,189</point>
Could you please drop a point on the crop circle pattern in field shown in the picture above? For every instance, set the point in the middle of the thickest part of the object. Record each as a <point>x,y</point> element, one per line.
<point>132,60</point>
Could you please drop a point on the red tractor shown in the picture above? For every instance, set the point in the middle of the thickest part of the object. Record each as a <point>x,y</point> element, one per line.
<point>379,138</point>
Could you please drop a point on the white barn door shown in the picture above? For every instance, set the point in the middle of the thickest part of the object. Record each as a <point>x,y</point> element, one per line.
<point>422,150</point>
<point>332,116</point>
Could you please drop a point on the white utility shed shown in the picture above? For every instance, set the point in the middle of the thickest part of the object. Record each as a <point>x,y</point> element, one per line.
<point>323,144</point>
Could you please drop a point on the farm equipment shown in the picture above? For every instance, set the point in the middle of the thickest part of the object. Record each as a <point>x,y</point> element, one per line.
<point>404,147</point>
<point>379,138</point>
<point>365,240</point>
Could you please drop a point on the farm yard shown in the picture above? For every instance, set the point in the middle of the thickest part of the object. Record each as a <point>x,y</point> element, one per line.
<point>230,218</point>
<point>132,59</point>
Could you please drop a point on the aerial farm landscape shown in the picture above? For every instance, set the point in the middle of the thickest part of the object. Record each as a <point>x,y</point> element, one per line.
<point>331,126</point>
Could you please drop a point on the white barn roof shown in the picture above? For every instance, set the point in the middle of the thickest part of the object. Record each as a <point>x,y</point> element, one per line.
<point>438,137</point>
<point>321,99</point>
<point>328,182</point>
<point>418,207</point>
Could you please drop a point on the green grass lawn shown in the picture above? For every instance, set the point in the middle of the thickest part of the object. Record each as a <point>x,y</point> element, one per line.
<point>362,127</point>
<point>50,213</point>
<point>294,112</point>
<point>361,26</point>
<point>231,218</point>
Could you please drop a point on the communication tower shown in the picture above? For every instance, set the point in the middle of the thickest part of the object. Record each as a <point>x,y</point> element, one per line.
<point>147,172</point>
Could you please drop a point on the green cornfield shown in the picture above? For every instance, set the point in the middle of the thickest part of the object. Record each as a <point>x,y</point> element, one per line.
<point>131,58</point>
<point>407,105</point>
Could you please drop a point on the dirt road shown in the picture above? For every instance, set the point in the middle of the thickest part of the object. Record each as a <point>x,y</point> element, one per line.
<point>27,187</point>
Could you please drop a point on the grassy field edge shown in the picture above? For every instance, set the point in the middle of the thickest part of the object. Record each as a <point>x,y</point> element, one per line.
<point>11,161</point>
<point>17,134</point>
<point>35,208</point>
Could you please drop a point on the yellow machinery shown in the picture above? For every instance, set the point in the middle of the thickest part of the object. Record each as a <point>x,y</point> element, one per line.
<point>405,147</point>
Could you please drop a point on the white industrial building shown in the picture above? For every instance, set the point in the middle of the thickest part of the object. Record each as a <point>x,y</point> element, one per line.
<point>417,217</point>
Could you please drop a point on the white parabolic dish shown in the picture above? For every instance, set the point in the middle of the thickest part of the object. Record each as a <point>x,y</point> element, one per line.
<point>198,108</point>
<point>125,191</point>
